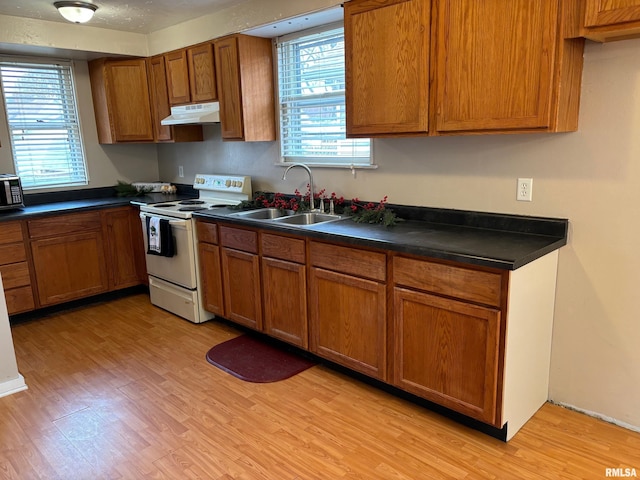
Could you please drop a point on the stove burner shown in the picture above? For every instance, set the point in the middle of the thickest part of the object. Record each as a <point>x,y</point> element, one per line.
<point>214,205</point>
<point>163,205</point>
<point>191,209</point>
<point>191,202</point>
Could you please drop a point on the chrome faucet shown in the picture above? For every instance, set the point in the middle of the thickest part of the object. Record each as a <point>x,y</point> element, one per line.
<point>302,165</point>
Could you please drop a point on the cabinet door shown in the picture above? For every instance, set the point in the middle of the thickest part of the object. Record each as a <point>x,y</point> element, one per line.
<point>447,352</point>
<point>348,321</point>
<point>387,66</point>
<point>244,69</point>
<point>611,12</point>
<point>159,94</point>
<point>177,77</point>
<point>69,267</point>
<point>284,287</point>
<point>211,278</point>
<point>202,75</point>
<point>160,108</point>
<point>494,64</point>
<point>125,250</point>
<point>229,91</point>
<point>242,298</point>
<point>128,98</point>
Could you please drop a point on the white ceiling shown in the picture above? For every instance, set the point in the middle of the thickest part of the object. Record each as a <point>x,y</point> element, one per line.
<point>138,16</point>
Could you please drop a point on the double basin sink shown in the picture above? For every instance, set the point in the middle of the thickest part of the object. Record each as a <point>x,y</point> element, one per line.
<point>288,217</point>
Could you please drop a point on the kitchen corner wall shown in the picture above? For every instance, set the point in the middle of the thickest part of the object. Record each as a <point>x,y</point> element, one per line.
<point>591,177</point>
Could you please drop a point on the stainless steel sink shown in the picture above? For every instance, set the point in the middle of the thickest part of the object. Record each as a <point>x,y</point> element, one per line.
<point>264,214</point>
<point>308,218</point>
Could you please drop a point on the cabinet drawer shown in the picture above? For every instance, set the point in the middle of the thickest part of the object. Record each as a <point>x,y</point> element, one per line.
<point>64,224</point>
<point>15,275</point>
<point>283,248</point>
<point>12,253</point>
<point>207,232</point>
<point>349,260</point>
<point>464,283</point>
<point>10,232</point>
<point>239,239</point>
<point>19,300</point>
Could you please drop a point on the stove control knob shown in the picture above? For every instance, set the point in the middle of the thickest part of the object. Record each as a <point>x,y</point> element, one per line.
<point>235,183</point>
<point>227,183</point>
<point>239,183</point>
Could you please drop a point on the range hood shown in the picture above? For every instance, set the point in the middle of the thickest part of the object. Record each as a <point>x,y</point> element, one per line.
<point>193,114</point>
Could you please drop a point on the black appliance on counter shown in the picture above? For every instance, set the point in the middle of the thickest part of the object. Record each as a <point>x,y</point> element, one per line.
<point>11,195</point>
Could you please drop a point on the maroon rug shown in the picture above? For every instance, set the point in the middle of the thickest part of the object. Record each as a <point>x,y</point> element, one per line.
<point>254,360</point>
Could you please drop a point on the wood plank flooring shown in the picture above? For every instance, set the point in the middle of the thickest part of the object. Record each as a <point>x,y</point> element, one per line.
<point>122,390</point>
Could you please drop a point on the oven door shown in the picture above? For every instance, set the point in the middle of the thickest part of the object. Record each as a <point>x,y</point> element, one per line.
<point>181,268</point>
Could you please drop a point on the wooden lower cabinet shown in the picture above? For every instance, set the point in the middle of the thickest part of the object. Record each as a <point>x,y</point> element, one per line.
<point>241,280</point>
<point>241,276</point>
<point>14,268</point>
<point>69,267</point>
<point>348,321</point>
<point>124,247</point>
<point>436,329</point>
<point>212,294</point>
<point>284,288</point>
<point>447,351</point>
<point>348,307</point>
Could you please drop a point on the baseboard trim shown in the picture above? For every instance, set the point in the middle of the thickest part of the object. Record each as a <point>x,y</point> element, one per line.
<point>12,386</point>
<point>597,415</point>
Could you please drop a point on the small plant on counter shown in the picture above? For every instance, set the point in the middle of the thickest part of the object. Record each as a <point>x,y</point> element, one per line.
<point>372,213</point>
<point>124,189</point>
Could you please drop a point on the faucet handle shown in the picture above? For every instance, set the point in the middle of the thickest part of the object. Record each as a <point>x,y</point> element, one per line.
<point>331,207</point>
<point>322,205</point>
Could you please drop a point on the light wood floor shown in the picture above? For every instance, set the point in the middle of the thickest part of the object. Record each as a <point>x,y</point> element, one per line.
<point>122,390</point>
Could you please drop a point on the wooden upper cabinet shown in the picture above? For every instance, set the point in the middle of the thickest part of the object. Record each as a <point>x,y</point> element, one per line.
<point>498,67</point>
<point>495,67</point>
<point>121,100</point>
<point>177,77</point>
<point>202,74</point>
<point>606,20</point>
<point>191,75</point>
<point>160,108</point>
<point>244,67</point>
<point>387,66</point>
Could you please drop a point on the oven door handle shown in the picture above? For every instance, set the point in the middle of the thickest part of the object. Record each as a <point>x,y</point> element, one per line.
<point>173,223</point>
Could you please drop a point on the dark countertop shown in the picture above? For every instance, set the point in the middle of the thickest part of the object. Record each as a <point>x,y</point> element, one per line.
<point>500,241</point>
<point>78,200</point>
<point>488,239</point>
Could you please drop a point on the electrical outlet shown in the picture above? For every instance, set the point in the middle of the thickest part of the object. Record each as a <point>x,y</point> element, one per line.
<point>524,192</point>
<point>181,171</point>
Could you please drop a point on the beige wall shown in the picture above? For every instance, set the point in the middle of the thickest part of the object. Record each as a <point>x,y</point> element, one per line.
<point>590,176</point>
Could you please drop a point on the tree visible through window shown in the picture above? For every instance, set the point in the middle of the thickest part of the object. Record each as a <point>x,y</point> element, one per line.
<point>311,86</point>
<point>43,123</point>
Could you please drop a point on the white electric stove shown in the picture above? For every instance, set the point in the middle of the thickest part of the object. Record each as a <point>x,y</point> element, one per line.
<point>174,282</point>
<point>214,191</point>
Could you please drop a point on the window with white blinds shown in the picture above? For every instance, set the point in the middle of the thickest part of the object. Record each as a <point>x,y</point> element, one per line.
<point>43,123</point>
<point>311,86</point>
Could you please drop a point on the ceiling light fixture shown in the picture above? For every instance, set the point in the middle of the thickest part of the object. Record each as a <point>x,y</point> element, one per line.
<point>76,12</point>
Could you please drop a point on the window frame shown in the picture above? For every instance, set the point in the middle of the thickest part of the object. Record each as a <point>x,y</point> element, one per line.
<point>79,151</point>
<point>341,162</point>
